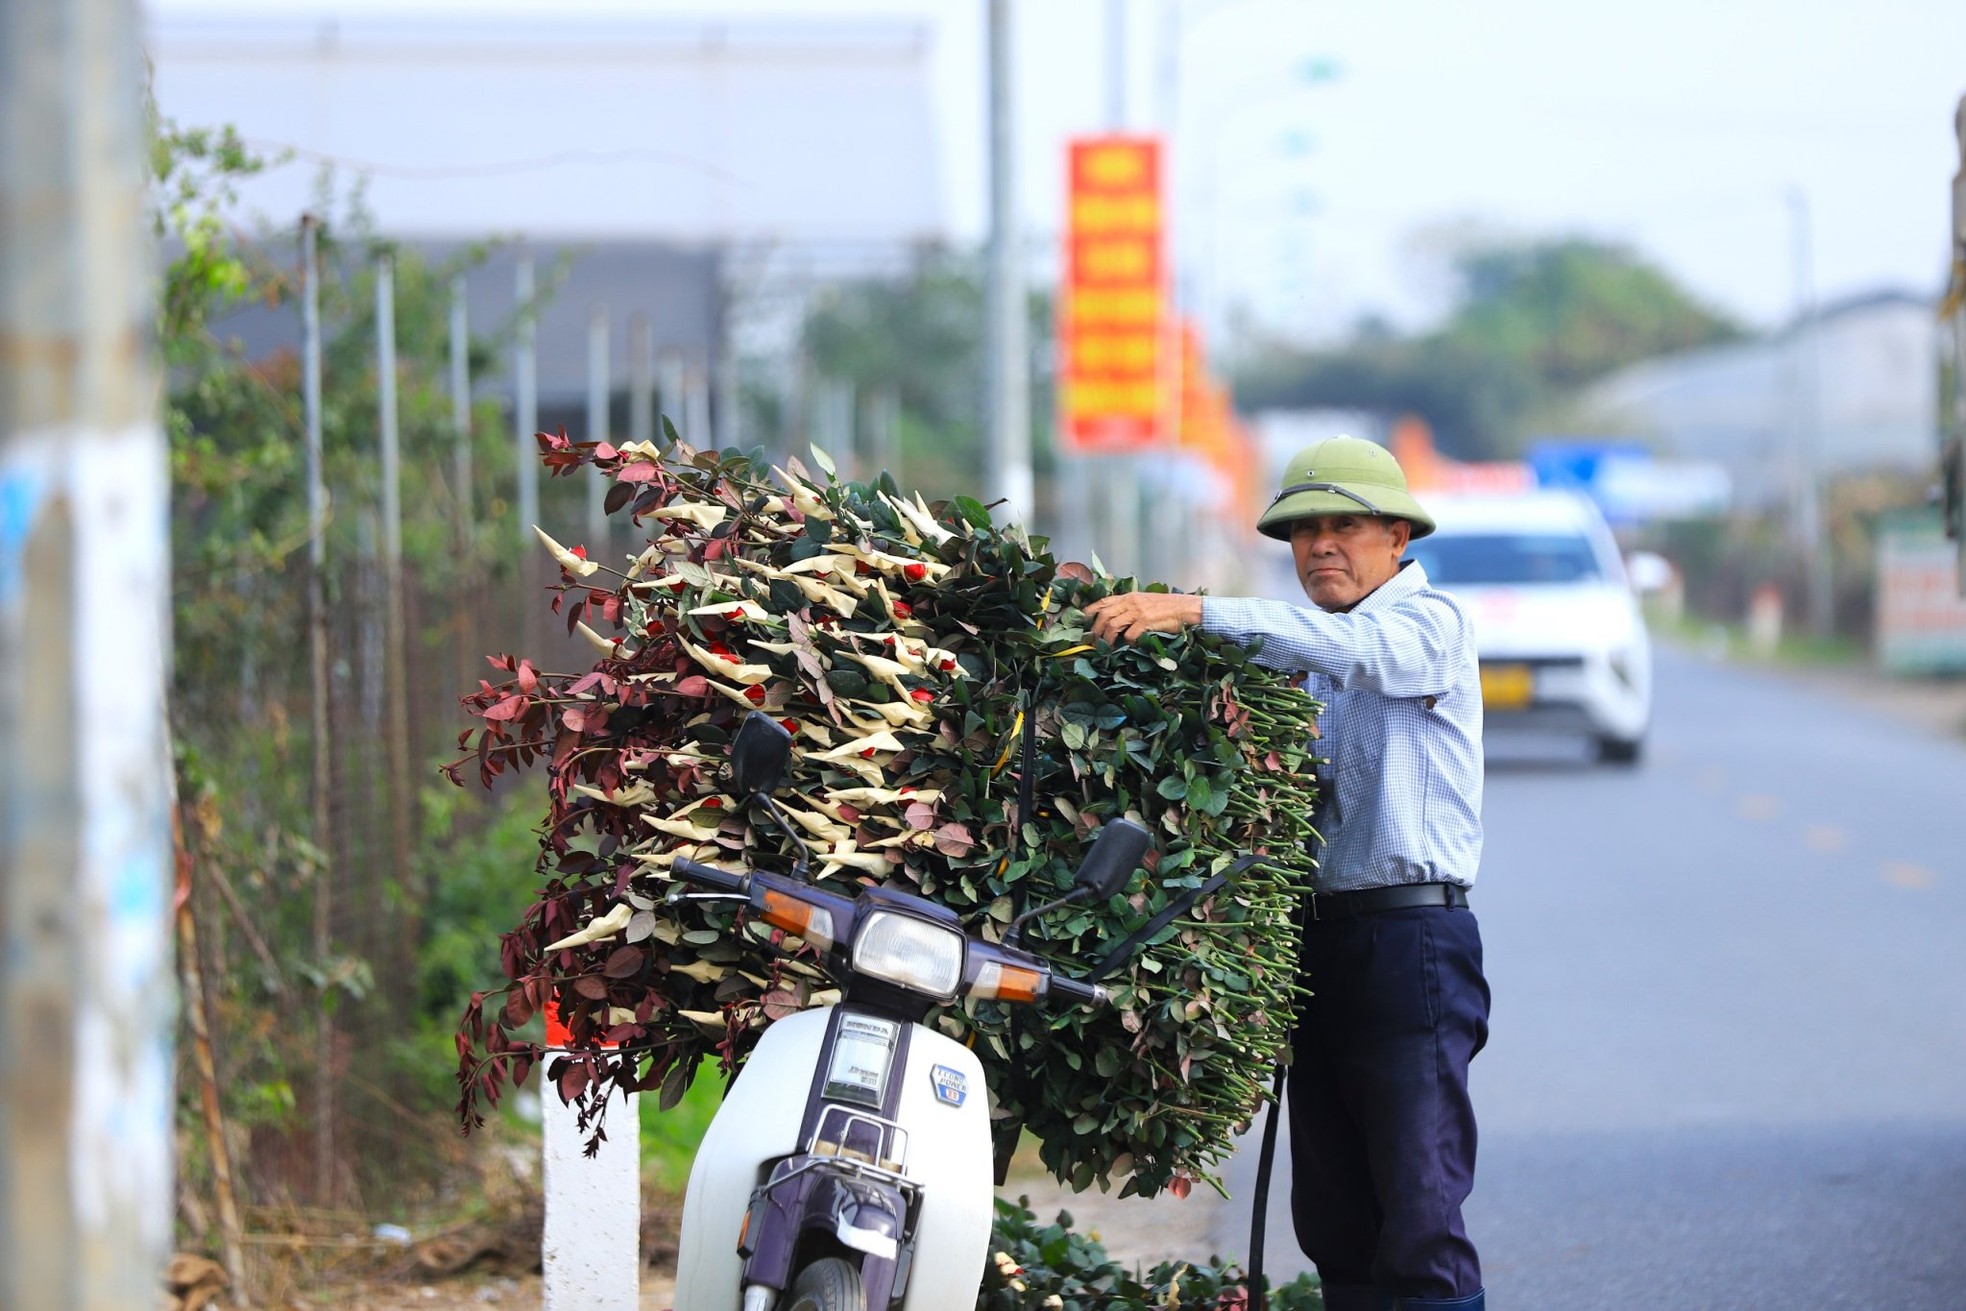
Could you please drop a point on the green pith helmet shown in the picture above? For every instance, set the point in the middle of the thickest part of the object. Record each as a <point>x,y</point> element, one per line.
<point>1342,475</point>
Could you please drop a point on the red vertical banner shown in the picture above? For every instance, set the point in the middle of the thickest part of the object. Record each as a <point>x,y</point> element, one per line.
<point>1114,362</point>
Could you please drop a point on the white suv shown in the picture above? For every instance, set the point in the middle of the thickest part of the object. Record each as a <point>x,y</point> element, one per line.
<point>1563,646</point>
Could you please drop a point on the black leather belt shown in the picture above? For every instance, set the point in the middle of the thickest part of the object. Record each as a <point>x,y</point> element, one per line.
<point>1369,901</point>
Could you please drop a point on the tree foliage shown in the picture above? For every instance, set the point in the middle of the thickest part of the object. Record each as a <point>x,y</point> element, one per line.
<point>1531,322</point>
<point>921,337</point>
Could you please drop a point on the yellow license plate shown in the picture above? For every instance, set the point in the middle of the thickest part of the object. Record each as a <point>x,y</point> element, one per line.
<point>1507,687</point>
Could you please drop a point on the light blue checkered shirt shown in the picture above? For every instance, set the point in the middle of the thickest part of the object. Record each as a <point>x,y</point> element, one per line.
<point>1400,794</point>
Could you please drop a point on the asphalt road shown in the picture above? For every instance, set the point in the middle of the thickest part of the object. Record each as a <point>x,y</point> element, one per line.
<point>1728,1059</point>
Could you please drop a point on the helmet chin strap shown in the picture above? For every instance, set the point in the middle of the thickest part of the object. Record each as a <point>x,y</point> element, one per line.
<point>1346,492</point>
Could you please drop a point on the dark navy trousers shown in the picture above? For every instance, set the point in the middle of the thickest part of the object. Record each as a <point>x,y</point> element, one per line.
<point>1382,1134</point>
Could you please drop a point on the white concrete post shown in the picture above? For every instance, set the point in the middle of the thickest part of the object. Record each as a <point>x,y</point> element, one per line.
<point>591,1242</point>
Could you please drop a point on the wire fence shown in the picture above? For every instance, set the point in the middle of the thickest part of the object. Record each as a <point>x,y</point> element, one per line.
<point>338,898</point>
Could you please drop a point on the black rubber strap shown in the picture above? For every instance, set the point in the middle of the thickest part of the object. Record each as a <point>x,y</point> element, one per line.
<point>1027,769</point>
<point>1022,1081</point>
<point>1180,906</point>
<point>1257,1287</point>
<point>1334,488</point>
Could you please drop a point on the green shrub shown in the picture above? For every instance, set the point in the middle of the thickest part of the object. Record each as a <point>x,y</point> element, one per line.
<point>1040,1267</point>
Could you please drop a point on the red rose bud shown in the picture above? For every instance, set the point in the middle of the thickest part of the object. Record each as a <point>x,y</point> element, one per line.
<point>713,803</point>
<point>947,666</point>
<point>580,551</point>
<point>868,754</point>
<point>860,568</point>
<point>915,572</point>
<point>922,694</point>
<point>902,610</point>
<point>755,695</point>
<point>789,725</point>
<point>719,649</point>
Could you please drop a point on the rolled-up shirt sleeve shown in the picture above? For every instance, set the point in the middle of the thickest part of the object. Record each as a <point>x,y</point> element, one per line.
<point>1415,646</point>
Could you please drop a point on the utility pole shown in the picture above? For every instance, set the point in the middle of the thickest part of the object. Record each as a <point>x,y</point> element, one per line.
<point>1008,428</point>
<point>86,993</point>
<point>1122,481</point>
<point>1806,367</point>
<point>1955,448</point>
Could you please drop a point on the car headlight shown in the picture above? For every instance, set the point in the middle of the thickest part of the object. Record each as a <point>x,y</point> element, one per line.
<point>909,952</point>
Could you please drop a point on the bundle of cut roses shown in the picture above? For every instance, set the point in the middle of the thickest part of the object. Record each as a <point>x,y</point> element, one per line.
<point>906,647</point>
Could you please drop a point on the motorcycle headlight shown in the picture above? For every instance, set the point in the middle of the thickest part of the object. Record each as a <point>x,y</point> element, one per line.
<point>912,953</point>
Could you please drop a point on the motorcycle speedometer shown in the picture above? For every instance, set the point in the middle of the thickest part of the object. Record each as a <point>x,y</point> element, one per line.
<point>909,952</point>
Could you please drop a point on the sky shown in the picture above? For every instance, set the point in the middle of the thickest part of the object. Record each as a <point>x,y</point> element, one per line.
<point>1758,151</point>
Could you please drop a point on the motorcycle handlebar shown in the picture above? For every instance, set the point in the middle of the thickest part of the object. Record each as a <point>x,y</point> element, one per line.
<point>1073,990</point>
<point>711,876</point>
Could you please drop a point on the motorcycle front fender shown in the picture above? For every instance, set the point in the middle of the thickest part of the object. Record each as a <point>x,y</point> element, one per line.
<point>944,1107</point>
<point>758,1122</point>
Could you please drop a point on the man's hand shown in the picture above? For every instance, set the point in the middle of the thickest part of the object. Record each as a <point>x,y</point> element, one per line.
<point>1126,616</point>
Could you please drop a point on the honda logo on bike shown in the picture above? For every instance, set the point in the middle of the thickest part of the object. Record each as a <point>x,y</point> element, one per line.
<point>951,1086</point>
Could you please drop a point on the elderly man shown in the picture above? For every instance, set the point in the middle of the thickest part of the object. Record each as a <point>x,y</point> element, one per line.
<point>1381,1127</point>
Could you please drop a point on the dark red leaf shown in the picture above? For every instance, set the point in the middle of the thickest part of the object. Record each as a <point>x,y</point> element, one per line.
<point>591,987</point>
<point>509,708</point>
<point>622,962</point>
<point>635,471</point>
<point>518,1008</point>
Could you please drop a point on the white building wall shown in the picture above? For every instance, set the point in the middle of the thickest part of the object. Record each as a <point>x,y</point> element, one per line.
<point>1747,405</point>
<point>711,131</point>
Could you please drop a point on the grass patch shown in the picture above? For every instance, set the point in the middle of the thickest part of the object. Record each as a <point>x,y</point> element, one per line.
<point>670,1138</point>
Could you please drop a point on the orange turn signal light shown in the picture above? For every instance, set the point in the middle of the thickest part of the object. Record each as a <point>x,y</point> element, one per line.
<point>813,923</point>
<point>1001,982</point>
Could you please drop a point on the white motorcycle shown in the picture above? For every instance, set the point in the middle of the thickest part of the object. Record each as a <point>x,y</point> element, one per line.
<point>850,1166</point>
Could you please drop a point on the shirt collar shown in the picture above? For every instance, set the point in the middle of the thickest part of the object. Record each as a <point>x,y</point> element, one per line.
<point>1410,578</point>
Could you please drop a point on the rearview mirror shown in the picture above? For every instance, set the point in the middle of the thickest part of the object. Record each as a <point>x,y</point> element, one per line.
<point>759,754</point>
<point>1114,856</point>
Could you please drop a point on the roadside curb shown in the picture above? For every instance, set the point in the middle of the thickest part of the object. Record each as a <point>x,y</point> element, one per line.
<point>1936,704</point>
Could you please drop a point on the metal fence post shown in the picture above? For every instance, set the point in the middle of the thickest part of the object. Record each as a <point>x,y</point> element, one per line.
<point>599,388</point>
<point>525,411</point>
<point>395,634</point>
<point>460,332</point>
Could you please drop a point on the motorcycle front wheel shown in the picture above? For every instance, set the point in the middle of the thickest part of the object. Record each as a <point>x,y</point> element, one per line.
<point>828,1284</point>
